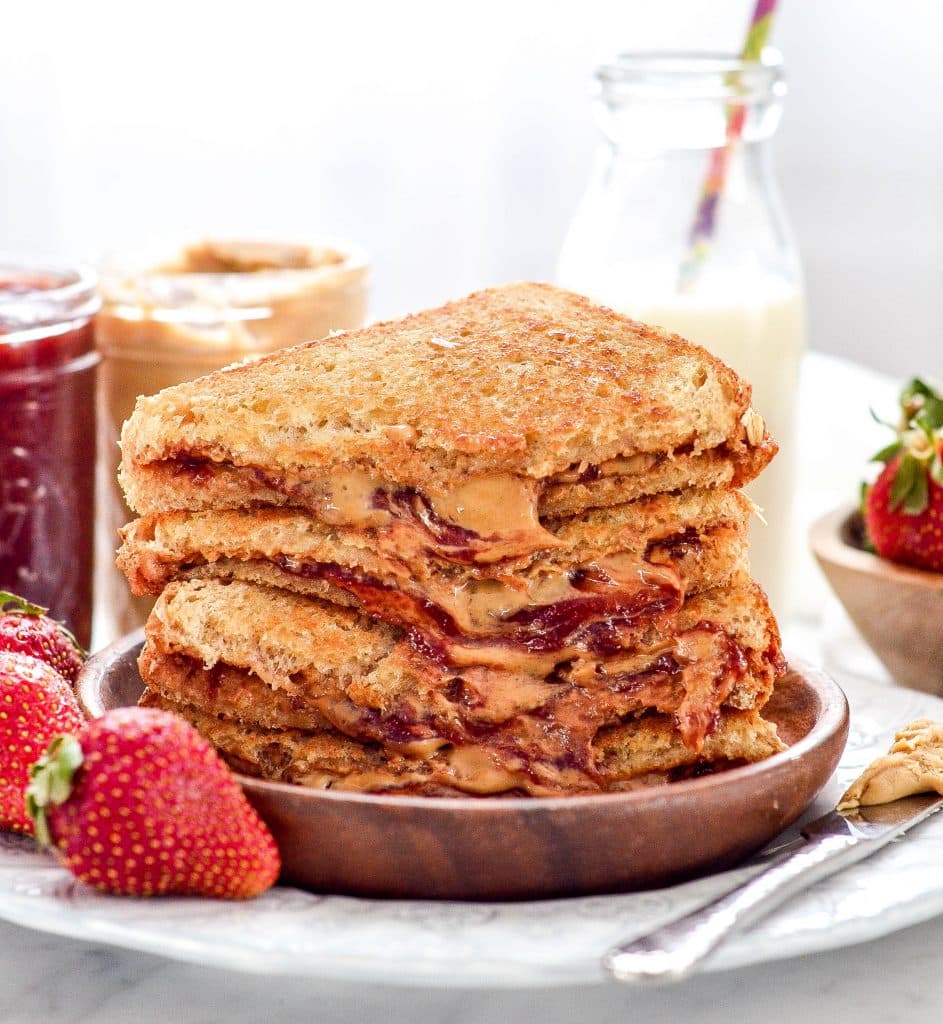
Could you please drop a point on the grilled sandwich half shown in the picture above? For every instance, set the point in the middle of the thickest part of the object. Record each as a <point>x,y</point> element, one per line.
<point>459,431</point>
<point>272,663</point>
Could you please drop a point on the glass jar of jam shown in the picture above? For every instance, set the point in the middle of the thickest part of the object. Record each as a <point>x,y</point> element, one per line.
<point>167,319</point>
<point>47,438</point>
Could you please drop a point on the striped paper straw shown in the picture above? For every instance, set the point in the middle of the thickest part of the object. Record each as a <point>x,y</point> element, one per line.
<point>705,219</point>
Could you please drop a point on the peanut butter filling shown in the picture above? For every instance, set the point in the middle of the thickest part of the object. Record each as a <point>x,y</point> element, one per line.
<point>483,520</point>
<point>516,624</point>
<point>489,731</point>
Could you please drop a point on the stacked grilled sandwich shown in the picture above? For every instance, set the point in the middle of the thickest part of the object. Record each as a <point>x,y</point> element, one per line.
<point>494,548</point>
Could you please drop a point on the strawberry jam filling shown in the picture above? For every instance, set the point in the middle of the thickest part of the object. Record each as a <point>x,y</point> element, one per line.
<point>552,743</point>
<point>544,746</point>
<point>592,619</point>
<point>404,518</point>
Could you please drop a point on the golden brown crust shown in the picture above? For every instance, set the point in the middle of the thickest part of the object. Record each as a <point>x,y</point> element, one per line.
<point>273,633</point>
<point>227,692</point>
<point>650,744</point>
<point>527,379</point>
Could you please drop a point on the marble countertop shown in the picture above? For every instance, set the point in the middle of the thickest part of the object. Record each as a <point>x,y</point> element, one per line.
<point>53,980</point>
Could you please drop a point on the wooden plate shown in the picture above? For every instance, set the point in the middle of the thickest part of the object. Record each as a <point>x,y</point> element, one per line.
<point>518,848</point>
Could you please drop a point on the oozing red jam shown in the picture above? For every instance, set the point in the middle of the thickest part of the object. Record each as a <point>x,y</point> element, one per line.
<point>677,545</point>
<point>408,503</point>
<point>198,470</point>
<point>538,629</point>
<point>551,744</point>
<point>556,736</point>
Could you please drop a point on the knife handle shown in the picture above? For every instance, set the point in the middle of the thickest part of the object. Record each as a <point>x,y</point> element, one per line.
<point>678,948</point>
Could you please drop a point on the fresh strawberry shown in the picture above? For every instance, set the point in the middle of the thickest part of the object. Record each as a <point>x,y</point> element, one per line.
<point>36,704</point>
<point>903,508</point>
<point>27,628</point>
<point>139,804</point>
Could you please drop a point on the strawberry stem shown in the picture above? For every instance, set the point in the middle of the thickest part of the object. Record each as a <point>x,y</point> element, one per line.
<point>20,604</point>
<point>51,783</point>
<point>23,607</point>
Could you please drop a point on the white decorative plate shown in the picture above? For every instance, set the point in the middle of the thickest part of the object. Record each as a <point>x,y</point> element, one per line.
<point>520,944</point>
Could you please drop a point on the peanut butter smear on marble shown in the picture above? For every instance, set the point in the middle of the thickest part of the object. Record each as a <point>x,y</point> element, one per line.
<point>914,764</point>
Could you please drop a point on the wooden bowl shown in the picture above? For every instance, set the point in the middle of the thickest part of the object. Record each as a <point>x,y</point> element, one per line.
<point>516,848</point>
<point>898,610</point>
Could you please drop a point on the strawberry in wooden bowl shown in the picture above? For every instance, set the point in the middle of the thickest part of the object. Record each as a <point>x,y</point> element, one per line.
<point>884,559</point>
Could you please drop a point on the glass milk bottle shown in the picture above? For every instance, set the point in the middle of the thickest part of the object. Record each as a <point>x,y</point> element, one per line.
<point>664,119</point>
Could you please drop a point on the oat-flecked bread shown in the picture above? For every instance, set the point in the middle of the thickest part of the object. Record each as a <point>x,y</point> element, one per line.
<point>641,751</point>
<point>310,649</point>
<point>493,548</point>
<point>172,485</point>
<point>525,379</point>
<point>703,534</point>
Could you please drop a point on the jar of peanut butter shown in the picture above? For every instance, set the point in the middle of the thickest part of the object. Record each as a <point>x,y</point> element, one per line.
<point>166,321</point>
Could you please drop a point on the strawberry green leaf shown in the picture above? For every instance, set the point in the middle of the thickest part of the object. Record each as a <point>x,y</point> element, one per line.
<point>919,495</point>
<point>914,389</point>
<point>905,479</point>
<point>918,397</point>
<point>51,782</point>
<point>887,453</point>
<point>928,424</point>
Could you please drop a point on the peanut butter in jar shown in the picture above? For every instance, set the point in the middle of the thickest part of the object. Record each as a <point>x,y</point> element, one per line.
<point>166,321</point>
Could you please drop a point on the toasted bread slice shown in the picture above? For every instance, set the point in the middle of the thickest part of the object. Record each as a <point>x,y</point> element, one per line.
<point>642,751</point>
<point>240,649</point>
<point>198,485</point>
<point>702,535</point>
<point>527,380</point>
<point>281,636</point>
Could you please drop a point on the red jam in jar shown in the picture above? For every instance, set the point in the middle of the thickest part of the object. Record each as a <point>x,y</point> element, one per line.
<point>47,438</point>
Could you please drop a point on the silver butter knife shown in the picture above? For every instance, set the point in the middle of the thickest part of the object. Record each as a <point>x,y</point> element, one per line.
<point>833,842</point>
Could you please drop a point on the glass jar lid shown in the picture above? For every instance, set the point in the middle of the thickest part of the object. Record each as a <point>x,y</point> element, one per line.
<point>37,296</point>
<point>677,100</point>
<point>692,76</point>
<point>209,282</point>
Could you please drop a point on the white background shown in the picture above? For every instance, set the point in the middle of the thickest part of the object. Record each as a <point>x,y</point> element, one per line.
<point>454,139</point>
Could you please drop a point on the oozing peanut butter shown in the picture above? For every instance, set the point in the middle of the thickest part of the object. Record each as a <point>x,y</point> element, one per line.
<point>490,505</point>
<point>499,507</point>
<point>475,770</point>
<point>348,501</point>
<point>621,465</point>
<point>478,606</point>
